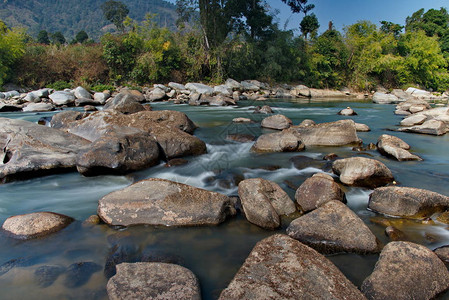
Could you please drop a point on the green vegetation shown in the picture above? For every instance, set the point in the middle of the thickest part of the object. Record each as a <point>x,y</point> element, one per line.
<point>12,47</point>
<point>218,39</point>
<point>115,12</point>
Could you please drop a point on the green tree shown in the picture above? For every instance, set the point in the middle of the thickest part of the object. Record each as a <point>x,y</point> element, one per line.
<point>390,27</point>
<point>58,38</point>
<point>309,24</point>
<point>433,22</point>
<point>299,6</point>
<point>12,47</point>
<point>43,38</point>
<point>115,12</point>
<point>81,37</point>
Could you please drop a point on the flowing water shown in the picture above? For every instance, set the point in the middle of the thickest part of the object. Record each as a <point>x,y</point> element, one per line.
<point>214,254</point>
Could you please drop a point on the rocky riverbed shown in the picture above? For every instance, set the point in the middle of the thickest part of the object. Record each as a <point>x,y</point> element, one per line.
<point>223,192</point>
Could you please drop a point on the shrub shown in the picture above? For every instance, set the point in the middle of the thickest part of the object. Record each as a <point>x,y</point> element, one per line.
<point>102,87</point>
<point>59,85</point>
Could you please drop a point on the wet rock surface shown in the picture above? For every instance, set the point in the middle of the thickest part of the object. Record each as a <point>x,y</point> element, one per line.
<point>153,281</point>
<point>163,202</point>
<point>45,276</point>
<point>361,171</point>
<point>332,228</point>
<point>277,122</point>
<point>288,140</point>
<point>35,225</point>
<point>406,271</point>
<point>280,267</point>
<point>392,146</point>
<point>407,202</point>
<point>78,274</point>
<point>264,201</point>
<point>338,133</point>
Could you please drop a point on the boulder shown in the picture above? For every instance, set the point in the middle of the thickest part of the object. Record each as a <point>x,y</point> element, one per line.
<point>392,146</point>
<point>242,120</point>
<point>264,201</point>
<point>200,88</point>
<point>249,87</point>
<point>432,127</point>
<point>31,150</point>
<point>306,123</point>
<point>359,127</point>
<point>79,273</point>
<point>81,92</point>
<point>280,267</point>
<point>288,140</point>
<point>402,95</point>
<point>347,112</point>
<point>177,86</point>
<point>32,107</point>
<point>443,253</point>
<point>241,137</point>
<point>407,202</point>
<point>413,120</point>
<point>65,118</point>
<point>125,103</point>
<point>406,271</point>
<point>119,152</point>
<point>223,89</point>
<point>361,171</point>
<point>317,191</point>
<point>324,93</point>
<point>338,133</point>
<point>277,122</point>
<point>137,95</point>
<point>4,107</point>
<point>157,94</point>
<point>153,281</point>
<point>263,110</point>
<point>62,98</point>
<point>32,97</point>
<point>301,91</point>
<point>101,97</point>
<point>334,228</point>
<point>35,225</point>
<point>384,98</point>
<point>42,93</point>
<point>233,85</point>
<point>422,94</point>
<point>163,202</point>
<point>87,101</point>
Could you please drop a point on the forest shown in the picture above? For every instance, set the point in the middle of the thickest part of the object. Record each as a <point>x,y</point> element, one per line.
<point>215,40</point>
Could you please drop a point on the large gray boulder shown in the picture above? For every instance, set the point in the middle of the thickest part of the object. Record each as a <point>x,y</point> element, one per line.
<point>407,202</point>
<point>125,103</point>
<point>223,90</point>
<point>317,191</point>
<point>406,271</point>
<point>338,133</point>
<point>153,281</point>
<point>334,227</point>
<point>248,86</point>
<point>325,93</point>
<point>63,119</point>
<point>288,140</point>
<point>81,92</point>
<point>32,97</point>
<point>119,152</point>
<point>157,94</point>
<point>35,107</point>
<point>361,171</point>
<point>416,119</point>
<point>200,88</point>
<point>31,150</point>
<point>35,225</point>
<point>393,146</point>
<point>384,98</point>
<point>62,98</point>
<point>163,202</point>
<point>264,201</point>
<point>280,267</point>
<point>277,122</point>
<point>233,84</point>
<point>177,86</point>
<point>432,127</point>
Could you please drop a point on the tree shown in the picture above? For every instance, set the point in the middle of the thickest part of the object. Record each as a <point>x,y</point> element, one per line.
<point>12,47</point>
<point>58,38</point>
<point>299,6</point>
<point>115,12</point>
<point>43,38</point>
<point>390,27</point>
<point>81,37</point>
<point>433,22</point>
<point>309,24</point>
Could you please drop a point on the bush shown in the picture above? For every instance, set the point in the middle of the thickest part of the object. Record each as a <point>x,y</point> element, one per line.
<point>102,87</point>
<point>11,49</point>
<point>59,85</point>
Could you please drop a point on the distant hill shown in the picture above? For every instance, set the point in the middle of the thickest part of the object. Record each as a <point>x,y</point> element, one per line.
<point>71,16</point>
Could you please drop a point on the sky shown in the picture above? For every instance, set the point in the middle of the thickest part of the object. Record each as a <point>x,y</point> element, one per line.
<point>347,12</point>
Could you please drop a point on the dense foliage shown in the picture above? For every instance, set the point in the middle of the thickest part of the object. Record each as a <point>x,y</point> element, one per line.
<point>12,47</point>
<point>239,39</point>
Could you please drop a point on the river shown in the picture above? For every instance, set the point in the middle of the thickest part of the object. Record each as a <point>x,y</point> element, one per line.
<point>214,254</point>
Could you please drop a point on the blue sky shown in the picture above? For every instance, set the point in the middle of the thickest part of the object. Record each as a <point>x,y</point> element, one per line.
<point>347,12</point>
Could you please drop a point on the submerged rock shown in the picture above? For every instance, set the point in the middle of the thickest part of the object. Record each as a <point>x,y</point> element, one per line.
<point>359,127</point>
<point>31,150</point>
<point>45,276</point>
<point>35,225</point>
<point>317,191</point>
<point>163,202</point>
<point>121,152</point>
<point>78,274</point>
<point>288,140</point>
<point>277,122</point>
<point>264,201</point>
<point>334,227</point>
<point>392,146</point>
<point>242,138</point>
<point>407,202</point>
<point>153,281</point>
<point>406,271</point>
<point>280,267</point>
<point>361,171</point>
<point>338,133</point>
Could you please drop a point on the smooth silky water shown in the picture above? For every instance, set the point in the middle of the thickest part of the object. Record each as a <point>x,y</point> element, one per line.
<point>214,254</point>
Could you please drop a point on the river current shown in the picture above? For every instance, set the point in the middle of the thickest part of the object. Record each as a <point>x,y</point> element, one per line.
<point>214,254</point>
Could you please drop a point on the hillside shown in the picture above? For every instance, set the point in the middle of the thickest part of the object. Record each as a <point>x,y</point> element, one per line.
<point>71,16</point>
